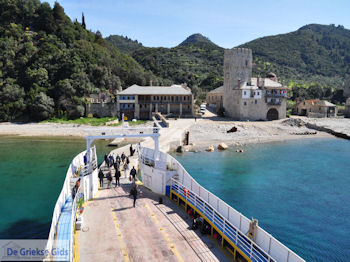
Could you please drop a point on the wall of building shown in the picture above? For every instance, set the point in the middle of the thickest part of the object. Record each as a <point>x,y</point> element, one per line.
<point>237,70</point>
<point>347,108</point>
<point>102,109</point>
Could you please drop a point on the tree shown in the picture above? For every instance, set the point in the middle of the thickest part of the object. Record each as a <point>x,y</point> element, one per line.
<point>11,100</point>
<point>58,13</point>
<point>83,21</point>
<point>42,107</point>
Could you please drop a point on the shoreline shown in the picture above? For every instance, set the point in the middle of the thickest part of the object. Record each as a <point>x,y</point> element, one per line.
<point>204,132</point>
<point>244,143</point>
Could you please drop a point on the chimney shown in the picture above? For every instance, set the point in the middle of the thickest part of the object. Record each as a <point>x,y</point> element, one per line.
<point>257,81</point>
<point>239,83</point>
<point>150,82</point>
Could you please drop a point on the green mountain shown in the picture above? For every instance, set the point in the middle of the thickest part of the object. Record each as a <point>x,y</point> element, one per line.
<point>124,44</point>
<point>49,63</point>
<point>312,51</point>
<point>200,41</point>
<point>196,61</point>
<point>313,55</point>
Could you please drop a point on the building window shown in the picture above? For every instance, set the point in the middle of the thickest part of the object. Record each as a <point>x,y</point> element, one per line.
<point>256,101</point>
<point>245,92</point>
<point>245,103</point>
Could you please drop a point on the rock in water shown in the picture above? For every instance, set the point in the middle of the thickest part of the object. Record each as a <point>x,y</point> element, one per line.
<point>222,146</point>
<point>180,149</point>
<point>210,149</point>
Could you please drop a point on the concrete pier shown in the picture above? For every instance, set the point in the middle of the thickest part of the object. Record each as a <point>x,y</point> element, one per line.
<point>113,230</point>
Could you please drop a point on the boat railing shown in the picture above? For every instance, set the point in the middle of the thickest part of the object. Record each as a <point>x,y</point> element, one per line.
<point>74,166</point>
<point>237,237</point>
<point>224,214</point>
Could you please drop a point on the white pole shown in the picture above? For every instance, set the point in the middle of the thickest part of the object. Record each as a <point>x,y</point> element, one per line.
<point>123,124</point>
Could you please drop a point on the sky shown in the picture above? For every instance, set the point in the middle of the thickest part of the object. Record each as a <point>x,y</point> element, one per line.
<point>228,23</point>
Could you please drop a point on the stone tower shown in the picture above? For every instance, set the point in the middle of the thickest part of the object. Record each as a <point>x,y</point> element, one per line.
<point>237,71</point>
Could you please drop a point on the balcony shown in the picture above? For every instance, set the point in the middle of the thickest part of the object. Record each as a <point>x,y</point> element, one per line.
<point>274,102</point>
<point>276,95</point>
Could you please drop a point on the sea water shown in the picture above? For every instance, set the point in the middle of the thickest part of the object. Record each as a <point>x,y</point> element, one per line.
<point>32,172</point>
<point>298,190</point>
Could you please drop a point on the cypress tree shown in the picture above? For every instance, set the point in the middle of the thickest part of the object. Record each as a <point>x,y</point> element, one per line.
<point>83,20</point>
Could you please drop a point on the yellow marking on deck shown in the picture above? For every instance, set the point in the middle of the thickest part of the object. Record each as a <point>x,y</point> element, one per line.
<point>165,235</point>
<point>76,247</point>
<point>120,238</point>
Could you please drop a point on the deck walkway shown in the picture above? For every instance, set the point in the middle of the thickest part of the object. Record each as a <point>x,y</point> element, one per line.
<point>115,231</point>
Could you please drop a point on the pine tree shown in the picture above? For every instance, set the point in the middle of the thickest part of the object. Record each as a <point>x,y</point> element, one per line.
<point>83,20</point>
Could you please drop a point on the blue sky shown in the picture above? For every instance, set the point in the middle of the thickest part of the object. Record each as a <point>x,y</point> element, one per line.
<point>227,23</point>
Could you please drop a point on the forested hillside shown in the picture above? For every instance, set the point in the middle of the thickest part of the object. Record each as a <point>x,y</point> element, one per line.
<point>48,63</point>
<point>124,44</point>
<point>313,50</point>
<point>312,60</point>
<point>196,61</point>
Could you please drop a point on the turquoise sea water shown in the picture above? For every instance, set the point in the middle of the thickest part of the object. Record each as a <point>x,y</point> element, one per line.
<point>298,190</point>
<point>32,172</point>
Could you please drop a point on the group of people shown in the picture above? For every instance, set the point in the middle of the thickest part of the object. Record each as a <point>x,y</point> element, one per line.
<point>119,163</point>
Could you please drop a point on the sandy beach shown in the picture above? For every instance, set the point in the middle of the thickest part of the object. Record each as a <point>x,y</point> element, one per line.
<point>205,131</point>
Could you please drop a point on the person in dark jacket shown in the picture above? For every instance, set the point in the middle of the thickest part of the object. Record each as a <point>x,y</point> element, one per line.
<point>133,173</point>
<point>133,192</point>
<point>111,161</point>
<point>75,188</point>
<point>123,157</point>
<point>132,151</point>
<point>116,166</point>
<point>109,179</point>
<point>101,176</point>
<point>117,176</point>
<point>118,159</point>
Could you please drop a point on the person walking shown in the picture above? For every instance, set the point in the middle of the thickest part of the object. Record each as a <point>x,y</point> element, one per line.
<point>109,179</point>
<point>106,158</point>
<point>133,192</point>
<point>117,177</point>
<point>126,168</point>
<point>111,160</point>
<point>131,150</point>
<point>123,157</point>
<point>118,159</point>
<point>116,165</point>
<point>133,173</point>
<point>100,176</point>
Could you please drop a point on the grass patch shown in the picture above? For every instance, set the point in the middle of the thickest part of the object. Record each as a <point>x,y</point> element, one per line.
<point>138,122</point>
<point>93,121</point>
